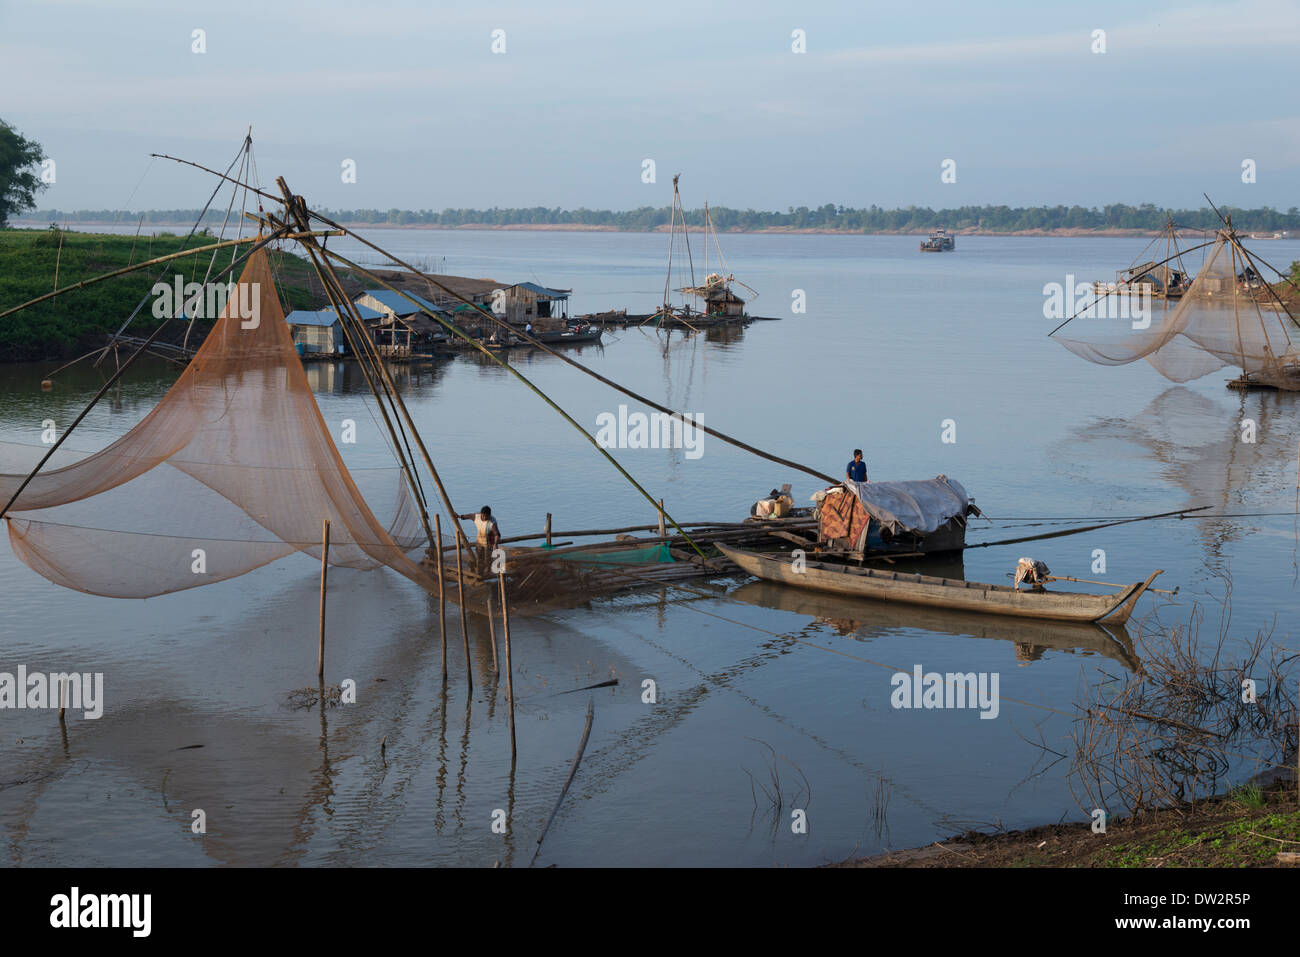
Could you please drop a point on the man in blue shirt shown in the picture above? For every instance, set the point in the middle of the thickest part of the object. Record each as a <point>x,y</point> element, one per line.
<point>856,471</point>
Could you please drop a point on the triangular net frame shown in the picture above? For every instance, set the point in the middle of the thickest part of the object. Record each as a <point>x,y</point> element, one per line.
<point>235,462</point>
<point>1223,319</point>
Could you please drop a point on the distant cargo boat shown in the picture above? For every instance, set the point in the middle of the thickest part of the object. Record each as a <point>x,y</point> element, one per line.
<point>940,241</point>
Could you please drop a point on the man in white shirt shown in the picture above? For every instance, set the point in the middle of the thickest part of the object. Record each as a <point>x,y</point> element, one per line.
<point>488,532</point>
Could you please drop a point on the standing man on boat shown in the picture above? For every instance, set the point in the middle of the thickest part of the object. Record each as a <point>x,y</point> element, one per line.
<point>856,471</point>
<point>489,534</point>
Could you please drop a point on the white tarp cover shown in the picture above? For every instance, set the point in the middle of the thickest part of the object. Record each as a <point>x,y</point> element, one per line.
<point>919,507</point>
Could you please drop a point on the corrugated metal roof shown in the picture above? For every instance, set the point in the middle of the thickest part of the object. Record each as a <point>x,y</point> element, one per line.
<point>398,304</point>
<point>543,291</point>
<point>311,317</point>
<point>326,317</point>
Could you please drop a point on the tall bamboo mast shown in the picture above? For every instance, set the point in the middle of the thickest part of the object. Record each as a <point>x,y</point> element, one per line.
<point>357,340</point>
<point>299,212</point>
<point>531,340</point>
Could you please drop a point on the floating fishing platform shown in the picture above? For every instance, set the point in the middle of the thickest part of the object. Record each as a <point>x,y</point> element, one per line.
<point>558,573</point>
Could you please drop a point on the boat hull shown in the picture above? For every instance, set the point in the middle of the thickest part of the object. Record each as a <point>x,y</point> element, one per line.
<point>940,592</point>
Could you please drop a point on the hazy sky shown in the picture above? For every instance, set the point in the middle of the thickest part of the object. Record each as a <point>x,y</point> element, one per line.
<point>412,92</point>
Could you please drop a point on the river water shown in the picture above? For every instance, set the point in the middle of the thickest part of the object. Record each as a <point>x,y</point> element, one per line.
<point>767,702</point>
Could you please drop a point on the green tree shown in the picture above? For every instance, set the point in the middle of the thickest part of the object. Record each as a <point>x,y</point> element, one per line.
<point>18,181</point>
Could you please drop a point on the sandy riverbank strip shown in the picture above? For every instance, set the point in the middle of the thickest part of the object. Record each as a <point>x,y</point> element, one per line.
<point>1246,828</point>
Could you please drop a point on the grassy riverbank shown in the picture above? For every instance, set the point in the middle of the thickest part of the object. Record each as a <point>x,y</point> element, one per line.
<point>1245,828</point>
<point>78,321</point>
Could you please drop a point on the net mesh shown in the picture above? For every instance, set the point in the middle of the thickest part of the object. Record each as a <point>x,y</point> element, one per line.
<point>233,469</point>
<point>1227,317</point>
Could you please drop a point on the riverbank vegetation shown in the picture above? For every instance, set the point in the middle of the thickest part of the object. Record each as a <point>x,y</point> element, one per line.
<point>828,217</point>
<point>81,320</point>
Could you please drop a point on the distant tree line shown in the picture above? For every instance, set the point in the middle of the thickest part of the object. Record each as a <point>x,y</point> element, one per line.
<point>829,217</point>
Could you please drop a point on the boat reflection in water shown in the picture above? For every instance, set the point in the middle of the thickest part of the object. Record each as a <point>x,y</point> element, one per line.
<point>864,618</point>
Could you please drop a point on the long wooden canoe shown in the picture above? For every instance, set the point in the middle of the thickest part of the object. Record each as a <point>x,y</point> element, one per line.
<point>950,593</point>
<point>867,619</point>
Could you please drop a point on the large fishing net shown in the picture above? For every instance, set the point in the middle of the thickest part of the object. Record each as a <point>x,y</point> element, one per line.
<point>1227,317</point>
<point>233,469</point>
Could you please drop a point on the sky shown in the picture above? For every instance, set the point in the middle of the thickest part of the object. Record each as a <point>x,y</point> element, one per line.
<point>584,93</point>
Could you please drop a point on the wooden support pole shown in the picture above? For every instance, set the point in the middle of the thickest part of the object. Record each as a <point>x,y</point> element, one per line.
<point>442,592</point>
<point>663,531</point>
<point>510,674</point>
<point>464,628</point>
<point>548,514</point>
<point>324,571</point>
<point>63,697</point>
<point>573,769</point>
<point>492,632</point>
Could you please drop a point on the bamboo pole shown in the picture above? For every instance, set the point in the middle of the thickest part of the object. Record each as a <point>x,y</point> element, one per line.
<point>338,299</point>
<point>442,593</point>
<point>1089,581</point>
<point>492,632</point>
<point>63,697</point>
<point>357,268</point>
<point>58,258</point>
<point>1090,528</point>
<point>464,630</point>
<point>500,322</point>
<point>573,769</point>
<point>548,514</point>
<point>710,526</point>
<point>537,343</point>
<point>117,374</point>
<point>663,532</point>
<point>364,348</point>
<point>298,208</point>
<point>510,674</point>
<point>324,573</point>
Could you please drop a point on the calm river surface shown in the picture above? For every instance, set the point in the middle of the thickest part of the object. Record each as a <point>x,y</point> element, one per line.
<point>755,685</point>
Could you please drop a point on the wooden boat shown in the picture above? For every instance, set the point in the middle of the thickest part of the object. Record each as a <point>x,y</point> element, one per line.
<point>569,336</point>
<point>721,305</point>
<point>940,592</point>
<point>869,620</point>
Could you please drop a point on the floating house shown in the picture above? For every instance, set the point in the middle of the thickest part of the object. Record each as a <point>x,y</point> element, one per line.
<point>527,302</point>
<point>720,302</point>
<point>399,327</point>
<point>319,332</point>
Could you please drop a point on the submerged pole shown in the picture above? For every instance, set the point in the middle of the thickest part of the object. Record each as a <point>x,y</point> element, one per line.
<point>510,674</point>
<point>492,632</point>
<point>464,630</point>
<point>324,571</point>
<point>442,592</point>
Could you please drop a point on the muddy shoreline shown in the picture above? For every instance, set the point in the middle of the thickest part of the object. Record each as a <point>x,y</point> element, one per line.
<point>1247,827</point>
